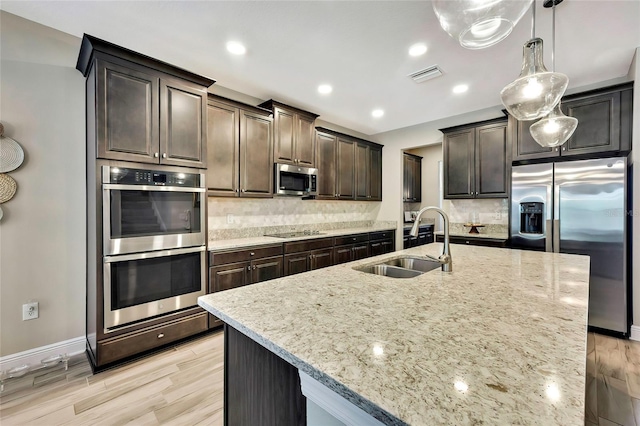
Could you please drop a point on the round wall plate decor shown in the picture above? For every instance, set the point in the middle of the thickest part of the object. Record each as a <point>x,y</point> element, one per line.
<point>7,188</point>
<point>11,154</point>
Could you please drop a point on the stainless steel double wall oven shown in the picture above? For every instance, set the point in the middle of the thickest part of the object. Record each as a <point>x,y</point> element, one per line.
<point>154,252</point>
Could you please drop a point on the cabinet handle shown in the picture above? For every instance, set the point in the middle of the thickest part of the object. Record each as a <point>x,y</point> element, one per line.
<point>354,238</point>
<point>556,149</point>
<point>254,267</point>
<point>156,155</point>
<point>244,190</point>
<point>251,254</point>
<point>164,155</point>
<point>160,336</point>
<point>248,268</point>
<point>564,148</point>
<point>236,190</point>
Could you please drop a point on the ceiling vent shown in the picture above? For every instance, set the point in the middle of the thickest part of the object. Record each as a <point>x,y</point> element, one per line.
<point>426,74</point>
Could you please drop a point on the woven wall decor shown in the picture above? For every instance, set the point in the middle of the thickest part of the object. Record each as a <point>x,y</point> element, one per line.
<point>8,187</point>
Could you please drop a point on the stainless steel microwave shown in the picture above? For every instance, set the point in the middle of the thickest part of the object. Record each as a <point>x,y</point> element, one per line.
<point>295,180</point>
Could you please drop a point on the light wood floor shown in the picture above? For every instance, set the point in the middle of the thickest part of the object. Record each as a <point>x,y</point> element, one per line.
<point>180,386</point>
<point>184,385</point>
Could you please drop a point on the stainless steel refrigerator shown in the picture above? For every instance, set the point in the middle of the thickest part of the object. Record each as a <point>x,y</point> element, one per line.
<point>579,207</point>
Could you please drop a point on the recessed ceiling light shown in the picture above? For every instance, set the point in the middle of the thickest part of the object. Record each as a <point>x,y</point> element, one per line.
<point>236,48</point>
<point>377,113</point>
<point>417,49</point>
<point>460,88</point>
<point>325,89</point>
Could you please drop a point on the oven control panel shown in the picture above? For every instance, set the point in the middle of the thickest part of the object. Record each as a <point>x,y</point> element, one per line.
<point>126,176</point>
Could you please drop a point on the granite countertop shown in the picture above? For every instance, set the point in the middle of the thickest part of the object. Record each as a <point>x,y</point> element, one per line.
<point>257,241</point>
<point>500,340</point>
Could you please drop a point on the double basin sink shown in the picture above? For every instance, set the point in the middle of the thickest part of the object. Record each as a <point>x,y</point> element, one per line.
<point>401,267</point>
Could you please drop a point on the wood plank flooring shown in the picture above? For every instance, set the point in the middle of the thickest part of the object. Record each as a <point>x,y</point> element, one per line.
<point>184,386</point>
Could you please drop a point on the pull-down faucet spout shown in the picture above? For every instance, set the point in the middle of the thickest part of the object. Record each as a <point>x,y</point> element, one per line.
<point>445,257</point>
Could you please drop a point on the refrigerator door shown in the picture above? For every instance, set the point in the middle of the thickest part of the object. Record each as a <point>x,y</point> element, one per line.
<point>531,206</point>
<point>590,210</point>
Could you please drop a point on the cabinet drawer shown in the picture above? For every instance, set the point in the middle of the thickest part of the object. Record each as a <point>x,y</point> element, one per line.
<point>298,246</point>
<point>350,239</point>
<point>382,235</point>
<point>232,256</point>
<point>150,338</point>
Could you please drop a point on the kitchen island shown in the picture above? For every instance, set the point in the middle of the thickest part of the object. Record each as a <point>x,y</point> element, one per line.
<point>500,340</point>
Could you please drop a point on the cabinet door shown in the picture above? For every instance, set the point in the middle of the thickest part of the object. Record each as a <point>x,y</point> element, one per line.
<point>225,277</point>
<point>345,165</point>
<point>326,147</point>
<point>493,164</point>
<point>459,164</point>
<point>321,258</point>
<point>342,254</point>
<point>183,115</point>
<point>598,124</point>
<point>360,251</point>
<point>376,248</point>
<point>223,149</point>
<point>127,113</point>
<point>284,130</point>
<point>296,263</point>
<point>375,173</point>
<point>412,178</point>
<point>407,178</point>
<point>305,141</point>
<point>417,179</point>
<point>524,146</point>
<point>362,171</point>
<point>256,155</point>
<point>265,269</point>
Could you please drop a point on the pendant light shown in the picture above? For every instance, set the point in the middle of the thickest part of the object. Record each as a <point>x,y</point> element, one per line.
<point>556,128</point>
<point>536,91</point>
<point>477,24</point>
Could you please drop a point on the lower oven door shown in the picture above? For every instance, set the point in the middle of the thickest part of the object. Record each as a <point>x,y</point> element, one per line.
<point>143,285</point>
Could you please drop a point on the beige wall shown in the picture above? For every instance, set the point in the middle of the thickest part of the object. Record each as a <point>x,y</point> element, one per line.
<point>42,233</point>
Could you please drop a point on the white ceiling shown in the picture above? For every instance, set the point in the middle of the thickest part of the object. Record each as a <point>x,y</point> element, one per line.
<point>359,47</point>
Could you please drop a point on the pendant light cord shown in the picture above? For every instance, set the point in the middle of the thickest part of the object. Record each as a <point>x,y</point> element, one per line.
<point>553,37</point>
<point>533,19</point>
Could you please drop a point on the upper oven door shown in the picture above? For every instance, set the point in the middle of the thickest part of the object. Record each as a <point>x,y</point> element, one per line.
<point>139,218</point>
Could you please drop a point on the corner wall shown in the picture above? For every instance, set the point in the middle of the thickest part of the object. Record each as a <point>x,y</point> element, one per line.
<point>634,74</point>
<point>42,233</point>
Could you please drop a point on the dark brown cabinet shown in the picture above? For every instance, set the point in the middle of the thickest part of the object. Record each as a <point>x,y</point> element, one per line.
<point>350,247</point>
<point>307,255</point>
<point>604,126</point>
<point>425,236</point>
<point>142,110</point>
<point>348,168</point>
<point>236,268</point>
<point>411,178</point>
<point>382,242</point>
<point>294,134</point>
<point>477,160</point>
<point>240,150</point>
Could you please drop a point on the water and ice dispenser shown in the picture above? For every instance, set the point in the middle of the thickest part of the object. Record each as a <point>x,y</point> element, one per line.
<point>531,219</point>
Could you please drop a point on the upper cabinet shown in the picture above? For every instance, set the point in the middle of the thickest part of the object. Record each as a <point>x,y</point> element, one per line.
<point>349,168</point>
<point>477,160</point>
<point>294,134</point>
<point>411,178</point>
<point>604,126</point>
<point>140,109</point>
<point>240,149</point>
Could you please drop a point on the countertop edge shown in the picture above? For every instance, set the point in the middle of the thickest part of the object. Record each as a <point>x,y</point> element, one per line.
<point>326,380</point>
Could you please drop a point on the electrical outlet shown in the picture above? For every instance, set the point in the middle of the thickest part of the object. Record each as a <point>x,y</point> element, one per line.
<point>229,218</point>
<point>497,215</point>
<point>29,311</point>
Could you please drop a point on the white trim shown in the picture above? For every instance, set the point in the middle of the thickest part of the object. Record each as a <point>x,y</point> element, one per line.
<point>335,404</point>
<point>33,357</point>
<point>635,332</point>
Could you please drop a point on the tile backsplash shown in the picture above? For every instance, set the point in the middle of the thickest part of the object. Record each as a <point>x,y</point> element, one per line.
<point>486,211</point>
<point>229,214</point>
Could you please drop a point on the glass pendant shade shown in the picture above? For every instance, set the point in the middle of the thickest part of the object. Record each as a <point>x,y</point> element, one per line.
<point>477,24</point>
<point>554,129</point>
<point>537,91</point>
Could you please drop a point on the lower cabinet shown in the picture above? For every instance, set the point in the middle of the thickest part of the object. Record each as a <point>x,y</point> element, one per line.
<point>485,242</point>
<point>350,248</point>
<point>231,269</point>
<point>425,236</point>
<point>307,255</point>
<point>382,242</point>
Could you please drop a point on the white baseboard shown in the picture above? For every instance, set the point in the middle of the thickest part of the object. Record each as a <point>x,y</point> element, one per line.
<point>33,357</point>
<point>635,332</point>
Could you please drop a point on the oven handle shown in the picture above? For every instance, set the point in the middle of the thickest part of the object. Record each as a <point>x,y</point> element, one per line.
<point>153,254</point>
<point>151,188</point>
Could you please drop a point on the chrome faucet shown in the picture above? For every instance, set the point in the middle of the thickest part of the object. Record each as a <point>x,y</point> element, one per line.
<point>445,257</point>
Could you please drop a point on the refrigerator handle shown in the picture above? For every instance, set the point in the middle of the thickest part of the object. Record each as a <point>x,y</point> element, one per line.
<point>548,231</point>
<point>556,235</point>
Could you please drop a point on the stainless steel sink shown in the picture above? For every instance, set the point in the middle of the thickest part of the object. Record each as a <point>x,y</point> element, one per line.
<point>414,263</point>
<point>390,271</point>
